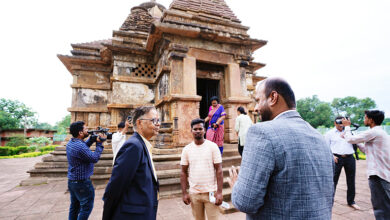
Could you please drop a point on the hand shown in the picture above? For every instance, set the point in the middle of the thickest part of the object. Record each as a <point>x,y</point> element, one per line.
<point>186,199</point>
<point>127,124</point>
<point>336,160</point>
<point>346,122</point>
<point>218,198</point>
<point>215,125</point>
<point>101,138</point>
<point>233,176</point>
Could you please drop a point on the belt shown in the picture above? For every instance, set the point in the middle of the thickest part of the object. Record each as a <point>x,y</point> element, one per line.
<point>78,181</point>
<point>343,155</point>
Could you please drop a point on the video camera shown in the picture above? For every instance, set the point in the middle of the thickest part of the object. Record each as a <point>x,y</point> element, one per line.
<point>94,134</point>
<point>340,121</point>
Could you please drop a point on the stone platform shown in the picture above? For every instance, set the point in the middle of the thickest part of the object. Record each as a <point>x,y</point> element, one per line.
<point>50,201</point>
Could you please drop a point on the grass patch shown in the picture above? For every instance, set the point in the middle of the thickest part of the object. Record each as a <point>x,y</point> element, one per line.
<point>25,155</point>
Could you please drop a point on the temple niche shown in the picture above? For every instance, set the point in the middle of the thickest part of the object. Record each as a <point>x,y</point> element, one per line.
<point>174,59</point>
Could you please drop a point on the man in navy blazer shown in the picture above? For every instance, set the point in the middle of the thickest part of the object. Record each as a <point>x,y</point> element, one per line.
<point>287,168</point>
<point>132,190</point>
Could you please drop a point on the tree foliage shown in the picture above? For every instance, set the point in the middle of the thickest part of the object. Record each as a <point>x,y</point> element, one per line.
<point>14,114</point>
<point>315,112</point>
<point>62,125</point>
<point>352,107</point>
<point>319,113</point>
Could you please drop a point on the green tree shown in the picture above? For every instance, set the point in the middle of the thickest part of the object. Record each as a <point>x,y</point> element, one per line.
<point>44,126</point>
<point>315,111</point>
<point>352,107</point>
<point>62,125</point>
<point>17,112</point>
<point>386,121</point>
<point>7,121</point>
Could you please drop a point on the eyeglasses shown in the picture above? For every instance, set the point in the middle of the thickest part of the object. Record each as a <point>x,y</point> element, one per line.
<point>153,120</point>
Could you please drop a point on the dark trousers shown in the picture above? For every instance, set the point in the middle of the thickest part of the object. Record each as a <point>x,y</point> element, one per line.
<point>380,197</point>
<point>82,195</point>
<point>349,164</point>
<point>240,149</point>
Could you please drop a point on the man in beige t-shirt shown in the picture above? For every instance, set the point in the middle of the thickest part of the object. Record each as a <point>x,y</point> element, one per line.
<point>201,167</point>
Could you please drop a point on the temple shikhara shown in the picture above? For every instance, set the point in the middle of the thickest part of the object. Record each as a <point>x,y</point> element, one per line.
<point>174,58</point>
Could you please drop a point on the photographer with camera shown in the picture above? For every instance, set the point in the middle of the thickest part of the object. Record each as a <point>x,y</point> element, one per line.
<point>377,148</point>
<point>81,162</point>
<point>119,138</point>
<point>343,157</point>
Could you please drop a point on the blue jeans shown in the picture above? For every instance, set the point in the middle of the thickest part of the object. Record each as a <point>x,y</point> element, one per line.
<point>380,197</point>
<point>82,195</point>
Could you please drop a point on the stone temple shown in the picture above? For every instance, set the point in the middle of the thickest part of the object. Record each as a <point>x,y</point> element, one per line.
<point>175,59</point>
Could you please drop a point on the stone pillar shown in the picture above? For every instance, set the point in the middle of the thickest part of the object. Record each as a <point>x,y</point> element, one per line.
<point>189,76</point>
<point>233,80</point>
<point>234,98</point>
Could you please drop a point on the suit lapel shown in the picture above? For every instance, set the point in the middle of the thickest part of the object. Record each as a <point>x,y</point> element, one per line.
<point>147,154</point>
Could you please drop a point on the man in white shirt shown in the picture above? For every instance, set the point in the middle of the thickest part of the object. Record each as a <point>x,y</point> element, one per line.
<point>343,157</point>
<point>119,138</point>
<point>377,149</point>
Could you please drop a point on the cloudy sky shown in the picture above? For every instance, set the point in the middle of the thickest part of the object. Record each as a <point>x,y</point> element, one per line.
<point>333,48</point>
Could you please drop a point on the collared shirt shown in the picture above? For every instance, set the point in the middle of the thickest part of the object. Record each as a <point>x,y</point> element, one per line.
<point>283,113</point>
<point>118,139</point>
<point>377,149</point>
<point>150,148</point>
<point>336,142</point>
<point>81,159</point>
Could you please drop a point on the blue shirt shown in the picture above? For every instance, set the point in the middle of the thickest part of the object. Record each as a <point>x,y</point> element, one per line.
<point>81,159</point>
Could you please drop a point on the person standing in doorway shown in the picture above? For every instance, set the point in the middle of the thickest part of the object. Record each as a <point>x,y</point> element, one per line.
<point>243,122</point>
<point>201,166</point>
<point>216,117</point>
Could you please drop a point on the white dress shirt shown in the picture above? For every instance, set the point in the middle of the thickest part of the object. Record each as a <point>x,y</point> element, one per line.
<point>377,149</point>
<point>336,142</point>
<point>150,149</point>
<point>243,122</point>
<point>118,139</point>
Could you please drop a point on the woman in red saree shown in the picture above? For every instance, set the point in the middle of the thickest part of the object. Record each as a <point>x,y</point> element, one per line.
<point>216,116</point>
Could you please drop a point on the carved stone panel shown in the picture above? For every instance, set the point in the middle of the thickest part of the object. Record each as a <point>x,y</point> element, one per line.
<point>89,98</point>
<point>132,93</point>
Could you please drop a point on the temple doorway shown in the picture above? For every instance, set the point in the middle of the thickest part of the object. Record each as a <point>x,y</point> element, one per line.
<point>206,88</point>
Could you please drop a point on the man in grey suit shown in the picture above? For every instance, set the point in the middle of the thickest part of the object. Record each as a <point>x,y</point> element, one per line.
<point>287,167</point>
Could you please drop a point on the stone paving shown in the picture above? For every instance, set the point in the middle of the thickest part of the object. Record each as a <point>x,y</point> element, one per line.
<point>51,201</point>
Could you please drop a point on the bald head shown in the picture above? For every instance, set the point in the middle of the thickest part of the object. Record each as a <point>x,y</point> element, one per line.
<point>280,86</point>
<point>273,96</point>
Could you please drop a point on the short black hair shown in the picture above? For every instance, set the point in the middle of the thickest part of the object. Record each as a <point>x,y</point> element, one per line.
<point>338,117</point>
<point>141,111</point>
<point>241,110</point>
<point>121,125</point>
<point>376,115</point>
<point>76,127</point>
<point>197,121</point>
<point>214,98</point>
<point>282,88</point>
